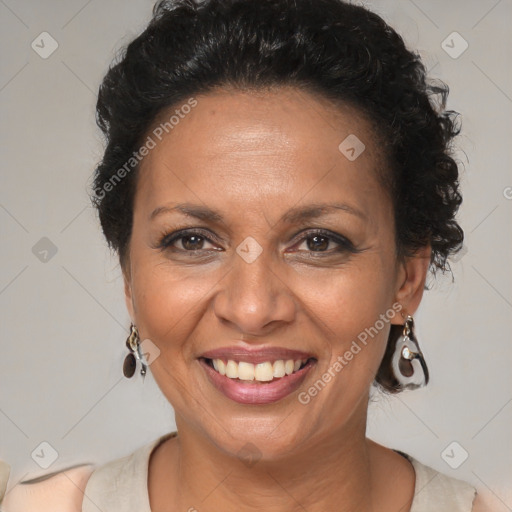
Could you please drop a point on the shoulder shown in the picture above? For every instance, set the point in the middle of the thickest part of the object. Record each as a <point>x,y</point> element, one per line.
<point>62,490</point>
<point>435,489</point>
<point>479,505</point>
<point>122,484</point>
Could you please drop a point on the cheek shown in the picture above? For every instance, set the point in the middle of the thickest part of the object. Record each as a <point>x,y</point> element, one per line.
<point>168,309</point>
<point>354,310</point>
<point>349,300</point>
<point>168,304</point>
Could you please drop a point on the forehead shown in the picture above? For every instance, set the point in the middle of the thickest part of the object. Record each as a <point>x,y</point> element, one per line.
<point>259,147</point>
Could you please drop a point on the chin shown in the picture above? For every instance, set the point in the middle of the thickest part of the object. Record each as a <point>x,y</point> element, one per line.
<point>262,438</point>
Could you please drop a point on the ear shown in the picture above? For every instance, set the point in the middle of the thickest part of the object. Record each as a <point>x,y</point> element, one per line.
<point>128,294</point>
<point>411,277</point>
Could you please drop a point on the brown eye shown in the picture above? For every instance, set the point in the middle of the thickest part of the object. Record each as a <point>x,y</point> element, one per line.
<point>321,241</point>
<point>192,242</point>
<point>318,243</point>
<point>186,241</point>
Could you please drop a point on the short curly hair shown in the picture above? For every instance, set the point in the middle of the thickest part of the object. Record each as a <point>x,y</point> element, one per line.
<point>331,48</point>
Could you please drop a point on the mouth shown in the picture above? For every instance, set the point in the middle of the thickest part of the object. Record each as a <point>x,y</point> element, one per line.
<point>263,372</point>
<point>260,382</point>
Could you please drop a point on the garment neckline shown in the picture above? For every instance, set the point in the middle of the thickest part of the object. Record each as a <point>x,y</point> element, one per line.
<point>146,451</point>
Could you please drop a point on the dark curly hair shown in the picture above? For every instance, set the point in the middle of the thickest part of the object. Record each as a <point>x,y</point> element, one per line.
<point>342,52</point>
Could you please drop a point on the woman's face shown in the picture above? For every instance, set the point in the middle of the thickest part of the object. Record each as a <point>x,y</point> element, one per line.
<point>259,269</point>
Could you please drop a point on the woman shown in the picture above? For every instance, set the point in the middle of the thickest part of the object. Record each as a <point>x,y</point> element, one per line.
<point>277,182</point>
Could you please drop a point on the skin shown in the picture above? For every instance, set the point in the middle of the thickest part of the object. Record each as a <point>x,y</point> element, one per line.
<point>251,157</point>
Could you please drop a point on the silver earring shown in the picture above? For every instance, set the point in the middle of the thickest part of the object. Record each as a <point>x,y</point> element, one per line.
<point>408,364</point>
<point>130,361</point>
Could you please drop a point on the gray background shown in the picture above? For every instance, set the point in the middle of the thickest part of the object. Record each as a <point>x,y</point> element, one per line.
<point>63,318</point>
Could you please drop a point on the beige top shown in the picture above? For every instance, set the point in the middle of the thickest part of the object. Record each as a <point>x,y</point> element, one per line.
<point>121,486</point>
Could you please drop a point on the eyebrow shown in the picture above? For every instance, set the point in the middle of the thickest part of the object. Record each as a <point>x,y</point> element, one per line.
<point>190,210</point>
<point>292,216</point>
<point>298,214</point>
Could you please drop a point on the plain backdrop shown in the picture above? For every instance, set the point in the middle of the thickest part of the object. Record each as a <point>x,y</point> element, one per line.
<point>63,318</point>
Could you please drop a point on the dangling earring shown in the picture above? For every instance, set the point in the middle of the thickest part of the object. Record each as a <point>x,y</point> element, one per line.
<point>130,361</point>
<point>408,364</point>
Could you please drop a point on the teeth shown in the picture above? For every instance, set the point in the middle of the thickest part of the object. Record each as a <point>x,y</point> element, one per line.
<point>288,366</point>
<point>222,366</point>
<point>279,369</point>
<point>262,372</point>
<point>245,371</point>
<point>232,370</point>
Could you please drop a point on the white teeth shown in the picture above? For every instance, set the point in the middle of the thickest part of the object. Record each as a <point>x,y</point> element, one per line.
<point>245,371</point>
<point>232,370</point>
<point>262,372</point>
<point>279,369</point>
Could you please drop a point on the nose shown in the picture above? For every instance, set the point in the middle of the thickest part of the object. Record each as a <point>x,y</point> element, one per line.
<point>254,297</point>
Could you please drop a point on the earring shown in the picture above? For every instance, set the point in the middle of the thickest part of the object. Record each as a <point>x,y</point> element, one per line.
<point>130,361</point>
<point>408,364</point>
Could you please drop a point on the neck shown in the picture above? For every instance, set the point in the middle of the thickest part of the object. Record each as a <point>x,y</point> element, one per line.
<point>333,473</point>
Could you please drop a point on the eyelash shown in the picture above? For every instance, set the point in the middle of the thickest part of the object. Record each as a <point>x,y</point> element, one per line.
<point>344,245</point>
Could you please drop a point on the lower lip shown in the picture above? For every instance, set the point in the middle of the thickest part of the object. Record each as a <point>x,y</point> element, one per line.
<point>253,392</point>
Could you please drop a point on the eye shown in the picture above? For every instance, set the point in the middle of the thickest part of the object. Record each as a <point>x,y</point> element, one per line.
<point>323,241</point>
<point>186,241</point>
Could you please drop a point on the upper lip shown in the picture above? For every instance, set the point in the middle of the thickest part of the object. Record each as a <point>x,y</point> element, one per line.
<point>256,354</point>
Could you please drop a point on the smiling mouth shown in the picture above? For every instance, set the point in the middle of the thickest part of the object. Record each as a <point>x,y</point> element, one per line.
<point>261,373</point>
